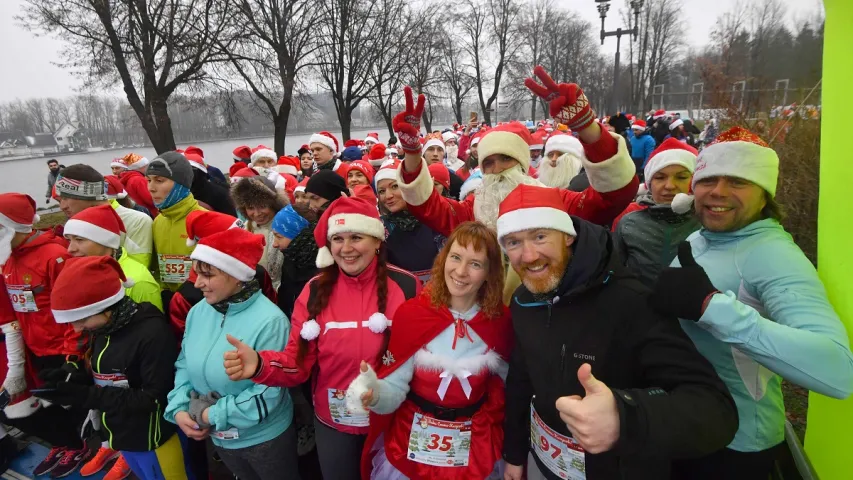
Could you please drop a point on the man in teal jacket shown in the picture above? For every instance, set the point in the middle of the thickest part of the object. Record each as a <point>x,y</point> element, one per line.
<point>752,303</point>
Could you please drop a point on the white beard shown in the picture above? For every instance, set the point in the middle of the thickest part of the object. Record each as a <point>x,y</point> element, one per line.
<point>6,235</point>
<point>559,176</point>
<point>495,188</point>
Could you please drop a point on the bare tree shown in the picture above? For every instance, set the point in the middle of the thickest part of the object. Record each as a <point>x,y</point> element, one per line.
<point>454,72</point>
<point>534,27</point>
<point>150,47</point>
<point>423,66</point>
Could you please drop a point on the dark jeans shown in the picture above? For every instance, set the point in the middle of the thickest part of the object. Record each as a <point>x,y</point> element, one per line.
<point>272,460</point>
<point>339,453</point>
<point>729,464</point>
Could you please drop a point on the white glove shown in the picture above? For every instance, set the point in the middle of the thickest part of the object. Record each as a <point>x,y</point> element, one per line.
<point>15,381</point>
<point>366,380</point>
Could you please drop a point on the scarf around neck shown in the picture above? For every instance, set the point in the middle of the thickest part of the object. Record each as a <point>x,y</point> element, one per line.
<point>403,220</point>
<point>178,193</point>
<point>122,313</point>
<point>249,288</point>
<point>302,251</point>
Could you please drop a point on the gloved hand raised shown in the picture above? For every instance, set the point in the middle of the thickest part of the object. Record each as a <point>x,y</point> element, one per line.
<point>682,292</point>
<point>568,104</point>
<point>407,124</point>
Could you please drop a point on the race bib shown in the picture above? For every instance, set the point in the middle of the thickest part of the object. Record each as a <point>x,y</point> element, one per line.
<point>439,443</point>
<point>560,454</point>
<point>22,298</point>
<point>118,380</point>
<point>174,268</point>
<point>230,434</point>
<point>343,415</point>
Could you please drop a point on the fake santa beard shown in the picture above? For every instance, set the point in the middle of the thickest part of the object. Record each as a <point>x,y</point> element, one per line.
<point>452,150</point>
<point>6,235</point>
<point>562,173</point>
<point>495,188</point>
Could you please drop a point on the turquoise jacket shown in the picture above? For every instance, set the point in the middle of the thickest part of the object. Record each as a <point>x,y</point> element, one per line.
<point>772,321</point>
<point>258,412</point>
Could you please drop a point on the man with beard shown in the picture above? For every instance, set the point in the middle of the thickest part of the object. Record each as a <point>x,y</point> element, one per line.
<point>563,154</point>
<point>54,167</point>
<point>504,158</point>
<point>594,367</point>
<point>451,144</point>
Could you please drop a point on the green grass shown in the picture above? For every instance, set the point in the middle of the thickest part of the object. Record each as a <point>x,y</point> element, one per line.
<point>50,220</point>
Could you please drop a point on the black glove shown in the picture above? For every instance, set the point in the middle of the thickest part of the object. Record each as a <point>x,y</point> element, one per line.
<point>71,371</point>
<point>73,394</point>
<point>681,292</point>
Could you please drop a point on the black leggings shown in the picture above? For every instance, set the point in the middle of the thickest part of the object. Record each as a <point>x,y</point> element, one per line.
<point>339,453</point>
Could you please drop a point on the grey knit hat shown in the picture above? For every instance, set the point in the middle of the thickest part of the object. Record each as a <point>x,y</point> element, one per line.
<point>174,166</point>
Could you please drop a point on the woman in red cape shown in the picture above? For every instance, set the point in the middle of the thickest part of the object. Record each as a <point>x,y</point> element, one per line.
<point>437,401</point>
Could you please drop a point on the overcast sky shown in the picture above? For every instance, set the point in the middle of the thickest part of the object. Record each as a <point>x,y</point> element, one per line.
<point>29,70</point>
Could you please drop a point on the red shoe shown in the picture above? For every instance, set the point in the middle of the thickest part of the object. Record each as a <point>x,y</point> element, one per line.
<point>71,460</point>
<point>120,470</point>
<point>101,459</point>
<point>50,462</point>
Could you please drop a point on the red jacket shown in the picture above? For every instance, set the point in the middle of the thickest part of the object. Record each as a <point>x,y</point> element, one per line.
<point>607,164</point>
<point>137,188</point>
<point>33,267</point>
<point>344,340</point>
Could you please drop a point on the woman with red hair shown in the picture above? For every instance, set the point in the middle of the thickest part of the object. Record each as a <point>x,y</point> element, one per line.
<point>437,401</point>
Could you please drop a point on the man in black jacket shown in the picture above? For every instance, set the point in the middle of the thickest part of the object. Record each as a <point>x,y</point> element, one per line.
<point>599,386</point>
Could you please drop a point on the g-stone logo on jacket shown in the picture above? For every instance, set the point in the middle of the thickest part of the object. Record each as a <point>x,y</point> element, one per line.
<point>584,356</point>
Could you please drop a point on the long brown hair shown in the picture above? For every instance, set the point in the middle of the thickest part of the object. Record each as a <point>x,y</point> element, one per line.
<point>324,285</point>
<point>481,238</point>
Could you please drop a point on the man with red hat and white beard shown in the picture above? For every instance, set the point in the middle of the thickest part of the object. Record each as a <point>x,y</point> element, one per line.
<point>562,162</point>
<point>599,386</point>
<point>504,158</point>
<point>31,261</point>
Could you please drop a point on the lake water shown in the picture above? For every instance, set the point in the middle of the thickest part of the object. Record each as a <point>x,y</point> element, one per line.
<point>30,176</point>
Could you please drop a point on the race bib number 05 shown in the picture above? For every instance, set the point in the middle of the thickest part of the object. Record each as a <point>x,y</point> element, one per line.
<point>439,443</point>
<point>174,268</point>
<point>562,455</point>
<point>22,298</point>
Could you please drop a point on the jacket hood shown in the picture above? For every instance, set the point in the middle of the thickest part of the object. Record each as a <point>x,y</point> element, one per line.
<point>39,238</point>
<point>761,227</point>
<point>249,192</point>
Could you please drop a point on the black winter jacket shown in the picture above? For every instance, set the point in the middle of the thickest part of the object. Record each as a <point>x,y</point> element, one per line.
<point>140,358</point>
<point>671,402</point>
<point>213,193</point>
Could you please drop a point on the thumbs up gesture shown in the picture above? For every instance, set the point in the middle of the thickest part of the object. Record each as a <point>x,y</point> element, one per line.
<point>593,419</point>
<point>683,292</point>
<point>242,363</point>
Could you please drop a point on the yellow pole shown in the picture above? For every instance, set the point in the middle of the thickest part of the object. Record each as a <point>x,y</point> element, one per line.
<point>829,435</point>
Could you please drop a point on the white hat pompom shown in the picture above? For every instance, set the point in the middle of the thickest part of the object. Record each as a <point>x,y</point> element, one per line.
<point>378,322</point>
<point>36,218</point>
<point>310,330</point>
<point>191,242</point>
<point>128,283</point>
<point>642,190</point>
<point>324,258</point>
<point>682,203</point>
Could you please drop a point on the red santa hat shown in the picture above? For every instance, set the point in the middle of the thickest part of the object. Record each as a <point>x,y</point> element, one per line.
<point>100,224</point>
<point>346,215</point>
<point>363,167</point>
<point>537,140</point>
<point>242,153</point>
<point>364,192</point>
<point>440,174</point>
<point>639,124</point>
<point>136,162</point>
<point>671,152</point>
<point>512,140</point>
<point>676,123</point>
<point>18,212</point>
<point>530,207</point>
<point>300,187</point>
<point>659,114</point>
<point>392,150</point>
<point>565,143</point>
<point>234,251</point>
<point>327,139</point>
<point>242,172</point>
<point>118,162</point>
<point>388,171</point>
<point>433,140</point>
<point>289,165</point>
<point>196,161</point>
<point>203,223</point>
<point>115,189</point>
<point>737,152</point>
<point>195,151</point>
<point>262,151</point>
<point>105,285</point>
<point>377,153</point>
<point>372,137</point>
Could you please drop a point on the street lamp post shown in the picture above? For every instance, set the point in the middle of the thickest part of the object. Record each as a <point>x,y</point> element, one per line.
<point>603,7</point>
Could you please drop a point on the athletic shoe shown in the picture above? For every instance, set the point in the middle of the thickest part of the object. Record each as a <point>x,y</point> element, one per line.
<point>99,461</point>
<point>120,470</point>
<point>304,440</point>
<point>50,462</point>
<point>71,460</point>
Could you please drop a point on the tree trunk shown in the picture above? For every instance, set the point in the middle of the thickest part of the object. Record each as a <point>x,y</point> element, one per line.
<point>281,121</point>
<point>533,108</point>
<point>345,120</point>
<point>388,123</point>
<point>427,117</point>
<point>163,139</point>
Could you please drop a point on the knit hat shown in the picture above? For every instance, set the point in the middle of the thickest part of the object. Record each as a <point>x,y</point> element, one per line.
<point>174,166</point>
<point>196,161</point>
<point>440,173</point>
<point>565,143</point>
<point>262,151</point>
<point>433,140</point>
<point>300,187</point>
<point>325,138</point>
<point>676,123</point>
<point>135,162</point>
<point>364,167</point>
<point>671,152</point>
<point>351,154</point>
<point>537,141</point>
<point>289,165</point>
<point>242,153</point>
<point>737,152</point>
<point>202,223</point>
<point>372,137</point>
<point>288,223</point>
<point>118,162</point>
<point>327,184</point>
<point>346,215</point>
<point>512,140</point>
<point>529,207</point>
<point>234,251</point>
<point>80,189</point>
<point>100,224</point>
<point>639,124</point>
<point>105,284</point>
<point>115,189</point>
<point>387,172</point>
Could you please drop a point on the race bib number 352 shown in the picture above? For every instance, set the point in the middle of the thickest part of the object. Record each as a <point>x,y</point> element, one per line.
<point>174,268</point>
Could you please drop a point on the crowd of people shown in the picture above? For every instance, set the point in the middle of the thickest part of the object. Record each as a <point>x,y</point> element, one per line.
<point>575,298</point>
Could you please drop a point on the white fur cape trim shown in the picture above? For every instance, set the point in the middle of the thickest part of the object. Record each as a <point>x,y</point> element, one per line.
<point>613,173</point>
<point>427,360</point>
<point>419,191</point>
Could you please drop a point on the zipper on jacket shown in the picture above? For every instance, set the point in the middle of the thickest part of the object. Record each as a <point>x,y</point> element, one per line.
<point>548,322</point>
<point>562,360</point>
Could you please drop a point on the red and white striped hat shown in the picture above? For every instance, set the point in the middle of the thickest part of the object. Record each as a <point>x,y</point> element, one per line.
<point>100,224</point>
<point>105,284</point>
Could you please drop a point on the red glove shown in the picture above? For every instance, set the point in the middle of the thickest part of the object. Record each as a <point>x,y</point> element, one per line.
<point>569,105</point>
<point>407,124</point>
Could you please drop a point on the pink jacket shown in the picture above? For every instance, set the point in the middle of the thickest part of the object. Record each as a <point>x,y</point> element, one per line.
<point>345,338</point>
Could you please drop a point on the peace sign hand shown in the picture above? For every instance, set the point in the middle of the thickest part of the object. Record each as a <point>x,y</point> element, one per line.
<point>568,104</point>
<point>407,124</point>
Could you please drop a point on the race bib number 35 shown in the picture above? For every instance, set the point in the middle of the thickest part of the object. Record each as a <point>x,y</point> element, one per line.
<point>562,455</point>
<point>22,298</point>
<point>174,268</point>
<point>439,443</point>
